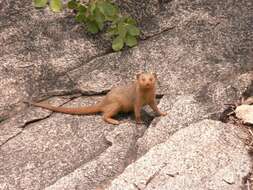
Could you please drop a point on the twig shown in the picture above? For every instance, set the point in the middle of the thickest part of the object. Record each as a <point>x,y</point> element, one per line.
<point>248,184</point>
<point>25,66</point>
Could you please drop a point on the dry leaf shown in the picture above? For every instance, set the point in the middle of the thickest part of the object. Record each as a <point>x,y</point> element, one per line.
<point>245,112</point>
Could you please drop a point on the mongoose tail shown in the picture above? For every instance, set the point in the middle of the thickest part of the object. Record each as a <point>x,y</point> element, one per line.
<point>74,111</point>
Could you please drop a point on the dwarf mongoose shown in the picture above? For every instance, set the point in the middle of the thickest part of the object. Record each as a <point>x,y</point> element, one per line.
<point>120,99</point>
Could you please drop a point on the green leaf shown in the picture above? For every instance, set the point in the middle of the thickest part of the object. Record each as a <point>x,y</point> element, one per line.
<point>122,29</point>
<point>111,32</point>
<point>92,27</point>
<point>110,9</point>
<point>117,43</point>
<point>99,18</point>
<point>92,7</point>
<point>56,5</point>
<point>100,6</point>
<point>81,8</point>
<point>130,41</point>
<point>133,30</point>
<point>72,4</point>
<point>116,20</point>
<point>100,25</point>
<point>131,21</point>
<point>40,3</point>
<point>80,17</point>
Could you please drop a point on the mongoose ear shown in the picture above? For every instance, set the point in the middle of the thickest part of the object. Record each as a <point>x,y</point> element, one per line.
<point>138,75</point>
<point>154,74</point>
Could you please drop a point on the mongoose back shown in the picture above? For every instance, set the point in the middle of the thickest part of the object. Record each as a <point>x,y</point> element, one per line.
<point>119,99</point>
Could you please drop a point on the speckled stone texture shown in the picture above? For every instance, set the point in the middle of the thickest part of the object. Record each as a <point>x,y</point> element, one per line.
<point>206,155</point>
<point>202,52</point>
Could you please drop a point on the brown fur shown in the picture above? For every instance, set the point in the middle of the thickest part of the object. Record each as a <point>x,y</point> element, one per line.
<point>127,98</point>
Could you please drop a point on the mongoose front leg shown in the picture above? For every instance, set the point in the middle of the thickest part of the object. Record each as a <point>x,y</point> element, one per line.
<point>137,113</point>
<point>153,105</point>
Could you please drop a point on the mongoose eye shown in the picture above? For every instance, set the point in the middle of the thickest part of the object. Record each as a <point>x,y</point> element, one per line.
<point>150,79</point>
<point>143,79</point>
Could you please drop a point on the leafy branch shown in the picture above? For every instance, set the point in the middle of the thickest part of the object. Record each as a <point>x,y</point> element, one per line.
<point>95,14</point>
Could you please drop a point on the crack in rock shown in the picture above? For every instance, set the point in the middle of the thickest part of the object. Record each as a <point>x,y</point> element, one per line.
<point>154,175</point>
<point>108,52</point>
<point>12,137</point>
<point>158,33</point>
<point>136,186</point>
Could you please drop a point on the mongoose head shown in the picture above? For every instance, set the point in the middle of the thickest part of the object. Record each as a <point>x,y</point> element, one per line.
<point>146,80</point>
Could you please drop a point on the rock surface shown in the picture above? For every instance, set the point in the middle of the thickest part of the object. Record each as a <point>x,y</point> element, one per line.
<point>37,48</point>
<point>208,102</point>
<point>185,110</point>
<point>202,53</point>
<point>205,155</point>
<point>102,168</point>
<point>51,148</point>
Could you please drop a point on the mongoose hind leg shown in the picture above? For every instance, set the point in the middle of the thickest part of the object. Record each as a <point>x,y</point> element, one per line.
<point>110,111</point>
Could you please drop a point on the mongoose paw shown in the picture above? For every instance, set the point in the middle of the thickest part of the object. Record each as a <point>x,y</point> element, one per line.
<point>139,121</point>
<point>115,122</point>
<point>162,113</point>
<point>112,121</point>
